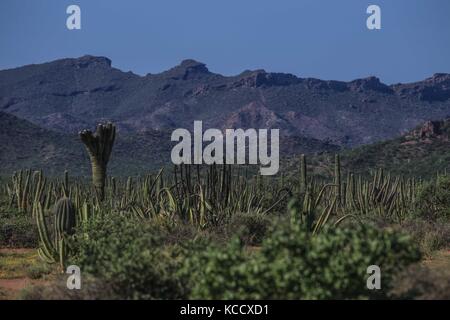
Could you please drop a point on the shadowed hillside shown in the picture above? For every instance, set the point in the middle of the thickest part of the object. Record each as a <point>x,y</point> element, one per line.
<point>25,145</point>
<point>422,152</point>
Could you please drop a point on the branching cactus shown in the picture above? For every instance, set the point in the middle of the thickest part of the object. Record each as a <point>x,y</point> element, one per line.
<point>64,225</point>
<point>21,186</point>
<point>99,146</point>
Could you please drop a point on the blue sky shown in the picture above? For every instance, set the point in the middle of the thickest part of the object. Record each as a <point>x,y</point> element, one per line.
<point>325,39</point>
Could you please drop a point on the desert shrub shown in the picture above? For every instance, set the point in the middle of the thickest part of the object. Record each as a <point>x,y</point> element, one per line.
<point>431,242</point>
<point>178,232</point>
<point>428,235</point>
<point>215,272</point>
<point>423,283</point>
<point>433,200</point>
<point>431,236</point>
<point>91,289</point>
<point>38,271</point>
<point>334,263</point>
<point>17,230</point>
<point>293,264</point>
<point>251,228</point>
<point>130,256</point>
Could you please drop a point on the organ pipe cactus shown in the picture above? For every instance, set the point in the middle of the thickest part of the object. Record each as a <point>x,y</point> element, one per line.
<point>307,211</point>
<point>337,177</point>
<point>65,187</point>
<point>99,146</point>
<point>302,173</point>
<point>21,187</point>
<point>39,188</point>
<point>64,224</point>
<point>26,189</point>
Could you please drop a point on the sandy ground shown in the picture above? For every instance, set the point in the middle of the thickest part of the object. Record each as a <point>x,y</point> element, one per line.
<point>14,264</point>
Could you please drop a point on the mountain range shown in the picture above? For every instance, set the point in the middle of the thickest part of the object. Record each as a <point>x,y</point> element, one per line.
<point>43,106</point>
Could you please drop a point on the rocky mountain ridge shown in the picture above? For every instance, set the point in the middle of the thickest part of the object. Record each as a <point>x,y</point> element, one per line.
<point>68,95</point>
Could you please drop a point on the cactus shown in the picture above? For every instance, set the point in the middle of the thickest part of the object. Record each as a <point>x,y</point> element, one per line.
<point>21,187</point>
<point>39,182</point>
<point>65,187</point>
<point>56,250</point>
<point>65,213</point>
<point>337,177</point>
<point>307,211</point>
<point>302,173</point>
<point>99,146</point>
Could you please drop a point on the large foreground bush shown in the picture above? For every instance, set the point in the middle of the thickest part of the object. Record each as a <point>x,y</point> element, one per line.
<point>136,260</point>
<point>292,264</point>
<point>130,256</point>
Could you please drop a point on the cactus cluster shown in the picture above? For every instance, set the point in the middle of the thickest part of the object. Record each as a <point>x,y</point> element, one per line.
<point>202,196</point>
<point>64,223</point>
<point>383,194</point>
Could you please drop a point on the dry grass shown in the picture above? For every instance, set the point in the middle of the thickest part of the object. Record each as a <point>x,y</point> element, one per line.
<point>16,265</point>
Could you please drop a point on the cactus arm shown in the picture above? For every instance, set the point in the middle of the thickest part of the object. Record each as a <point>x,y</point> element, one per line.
<point>47,248</point>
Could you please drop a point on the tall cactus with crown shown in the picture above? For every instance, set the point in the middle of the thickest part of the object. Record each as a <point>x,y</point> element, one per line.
<point>64,225</point>
<point>99,146</point>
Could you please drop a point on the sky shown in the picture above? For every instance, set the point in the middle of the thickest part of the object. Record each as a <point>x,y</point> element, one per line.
<point>326,39</point>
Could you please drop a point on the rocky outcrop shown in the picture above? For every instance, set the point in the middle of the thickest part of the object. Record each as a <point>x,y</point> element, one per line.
<point>90,61</point>
<point>369,84</point>
<point>428,130</point>
<point>188,69</point>
<point>255,115</point>
<point>259,78</point>
<point>435,88</point>
<point>434,130</point>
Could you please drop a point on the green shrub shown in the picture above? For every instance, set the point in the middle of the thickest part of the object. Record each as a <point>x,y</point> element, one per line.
<point>251,228</point>
<point>38,271</point>
<point>130,256</point>
<point>433,200</point>
<point>17,230</point>
<point>429,235</point>
<point>214,272</point>
<point>333,265</point>
<point>292,264</point>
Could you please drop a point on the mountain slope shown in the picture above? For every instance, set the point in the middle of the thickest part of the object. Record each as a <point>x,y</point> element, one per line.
<point>71,94</point>
<point>25,145</point>
<point>422,152</point>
